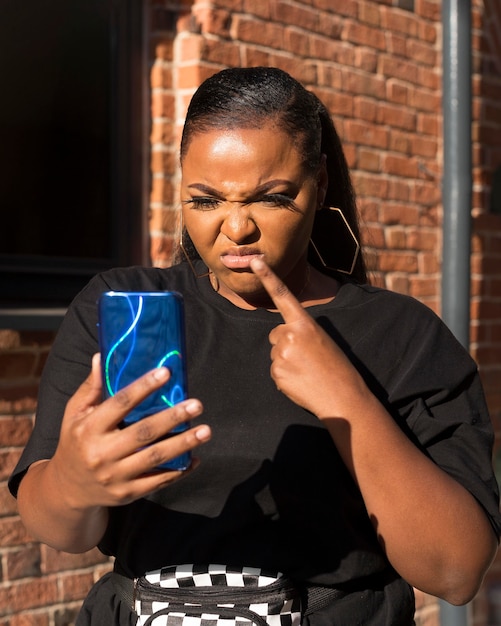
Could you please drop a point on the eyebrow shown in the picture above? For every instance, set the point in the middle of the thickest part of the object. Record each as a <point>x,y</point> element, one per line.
<point>265,187</point>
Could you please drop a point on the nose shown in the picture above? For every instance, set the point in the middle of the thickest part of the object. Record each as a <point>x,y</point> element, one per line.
<point>238,224</point>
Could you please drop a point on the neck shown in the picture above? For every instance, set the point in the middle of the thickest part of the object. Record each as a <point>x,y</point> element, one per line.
<point>312,288</point>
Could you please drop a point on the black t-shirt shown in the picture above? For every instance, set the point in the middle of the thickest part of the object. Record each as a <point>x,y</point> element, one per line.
<point>271,490</point>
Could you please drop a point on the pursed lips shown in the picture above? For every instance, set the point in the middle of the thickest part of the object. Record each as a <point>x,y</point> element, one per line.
<point>240,257</point>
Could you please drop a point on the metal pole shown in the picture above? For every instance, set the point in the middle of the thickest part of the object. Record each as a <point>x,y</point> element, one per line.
<point>457,189</point>
<point>457,182</point>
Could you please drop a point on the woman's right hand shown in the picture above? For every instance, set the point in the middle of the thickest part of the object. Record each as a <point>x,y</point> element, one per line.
<point>64,501</point>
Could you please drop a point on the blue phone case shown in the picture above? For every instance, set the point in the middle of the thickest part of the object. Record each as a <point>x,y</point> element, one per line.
<point>139,331</point>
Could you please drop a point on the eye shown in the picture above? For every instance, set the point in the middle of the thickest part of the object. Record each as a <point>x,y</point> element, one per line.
<point>277,200</point>
<point>202,203</point>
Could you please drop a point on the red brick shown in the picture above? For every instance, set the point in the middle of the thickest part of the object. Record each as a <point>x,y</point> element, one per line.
<point>398,190</point>
<point>8,460</point>
<point>397,92</point>
<point>365,108</point>
<point>425,147</point>
<point>365,59</point>
<point>9,339</point>
<point>161,48</point>
<point>76,586</point>
<point>398,262</point>
<point>391,213</point>
<point>56,561</point>
<point>369,210</point>
<point>367,185</point>
<point>193,75</point>
<point>296,41</point>
<point>220,51</point>
<point>425,193</point>
<point>27,594</point>
<point>17,363</point>
<point>397,44</point>
<point>296,15</point>
<point>400,166</point>
<point>393,67</point>
<point>160,75</point>
<point>163,161</point>
<point>260,8</point>
<point>428,124</point>
<point>395,237</point>
<point>162,105</point>
<point>398,283</point>
<point>257,32</point>
<point>369,160</point>
<point>340,104</point>
<point>39,618</point>
<point>399,141</point>
<point>422,53</point>
<point>7,502</point>
<point>429,263</point>
<point>330,26</point>
<point>161,250</point>
<point>14,431</point>
<point>398,116</point>
<point>24,562</point>
<point>361,34</point>
<point>369,13</point>
<point>347,8</point>
<point>399,22</point>
<point>428,9</point>
<point>427,32</point>
<point>365,134</point>
<point>422,286</point>
<point>425,100</point>
<point>421,239</point>
<point>373,236</point>
<point>213,21</point>
<point>13,533</point>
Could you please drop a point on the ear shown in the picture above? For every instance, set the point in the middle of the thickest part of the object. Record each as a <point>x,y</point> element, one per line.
<point>322,181</point>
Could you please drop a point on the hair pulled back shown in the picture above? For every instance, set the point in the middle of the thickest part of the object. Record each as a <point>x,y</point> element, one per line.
<point>250,97</point>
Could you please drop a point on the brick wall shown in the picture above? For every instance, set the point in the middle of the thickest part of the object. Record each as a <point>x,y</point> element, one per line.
<point>377,66</point>
<point>486,242</point>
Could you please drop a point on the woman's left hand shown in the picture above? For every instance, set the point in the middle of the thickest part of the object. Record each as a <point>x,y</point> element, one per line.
<point>307,365</point>
<point>433,531</point>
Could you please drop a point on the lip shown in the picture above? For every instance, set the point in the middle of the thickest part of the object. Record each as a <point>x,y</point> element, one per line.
<point>240,258</point>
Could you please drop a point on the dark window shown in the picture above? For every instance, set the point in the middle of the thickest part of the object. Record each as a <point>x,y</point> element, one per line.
<point>495,204</point>
<point>72,189</point>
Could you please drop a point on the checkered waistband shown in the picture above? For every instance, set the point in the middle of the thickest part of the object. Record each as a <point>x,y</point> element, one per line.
<point>219,595</point>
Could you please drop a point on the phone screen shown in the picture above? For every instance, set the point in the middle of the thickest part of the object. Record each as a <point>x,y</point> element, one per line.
<point>139,331</point>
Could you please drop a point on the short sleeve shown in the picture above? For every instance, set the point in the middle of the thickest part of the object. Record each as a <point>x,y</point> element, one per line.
<point>439,392</point>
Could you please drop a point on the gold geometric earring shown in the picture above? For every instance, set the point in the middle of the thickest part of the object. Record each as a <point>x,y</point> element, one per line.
<point>338,254</point>
<point>185,252</point>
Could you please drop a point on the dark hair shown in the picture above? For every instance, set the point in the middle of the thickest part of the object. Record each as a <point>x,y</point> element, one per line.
<point>246,97</point>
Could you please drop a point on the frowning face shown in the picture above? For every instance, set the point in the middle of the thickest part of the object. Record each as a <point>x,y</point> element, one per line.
<point>246,193</point>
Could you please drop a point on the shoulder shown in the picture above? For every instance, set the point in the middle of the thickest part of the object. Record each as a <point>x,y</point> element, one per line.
<point>137,278</point>
<point>398,324</point>
<point>386,303</point>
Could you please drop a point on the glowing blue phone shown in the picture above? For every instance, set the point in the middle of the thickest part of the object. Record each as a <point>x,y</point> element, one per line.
<point>139,331</point>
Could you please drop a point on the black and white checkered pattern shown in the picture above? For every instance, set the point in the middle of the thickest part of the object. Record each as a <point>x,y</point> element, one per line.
<point>183,595</point>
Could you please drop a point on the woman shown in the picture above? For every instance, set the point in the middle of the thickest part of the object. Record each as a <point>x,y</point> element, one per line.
<point>346,439</point>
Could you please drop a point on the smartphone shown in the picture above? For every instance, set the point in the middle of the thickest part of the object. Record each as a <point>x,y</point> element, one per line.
<point>139,331</point>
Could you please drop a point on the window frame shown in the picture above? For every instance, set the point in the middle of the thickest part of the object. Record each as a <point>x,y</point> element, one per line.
<point>27,282</point>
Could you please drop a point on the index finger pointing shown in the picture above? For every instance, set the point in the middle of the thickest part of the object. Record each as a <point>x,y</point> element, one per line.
<point>283,298</point>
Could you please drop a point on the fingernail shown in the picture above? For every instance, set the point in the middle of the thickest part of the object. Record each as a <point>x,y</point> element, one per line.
<point>192,407</point>
<point>257,264</point>
<point>203,433</point>
<point>161,373</point>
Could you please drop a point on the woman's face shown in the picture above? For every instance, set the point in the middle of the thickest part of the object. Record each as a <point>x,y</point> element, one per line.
<point>246,193</point>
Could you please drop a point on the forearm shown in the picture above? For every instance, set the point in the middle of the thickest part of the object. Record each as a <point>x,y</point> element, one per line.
<point>432,529</point>
<point>49,516</point>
